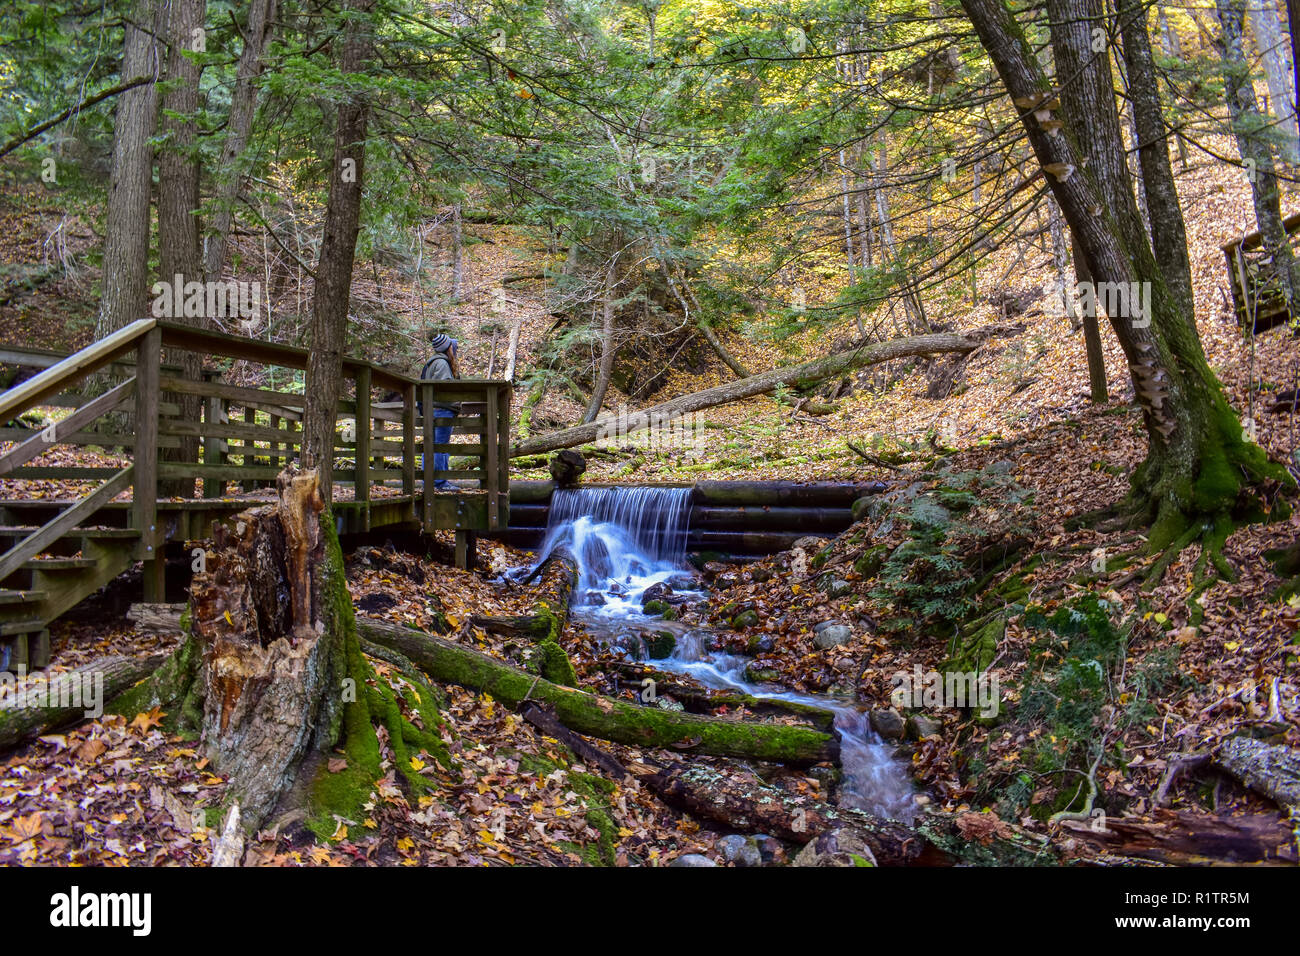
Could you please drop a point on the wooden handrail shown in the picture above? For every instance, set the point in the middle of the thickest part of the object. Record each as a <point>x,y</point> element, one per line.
<point>78,365</point>
<point>64,429</point>
<point>1252,239</point>
<point>65,521</point>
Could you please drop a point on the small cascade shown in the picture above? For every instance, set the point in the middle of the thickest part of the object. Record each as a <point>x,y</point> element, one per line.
<point>626,540</point>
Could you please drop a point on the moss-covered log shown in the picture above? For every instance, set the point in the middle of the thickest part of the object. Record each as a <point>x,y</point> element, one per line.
<point>602,717</point>
<point>558,575</point>
<point>36,705</point>
<point>1191,839</point>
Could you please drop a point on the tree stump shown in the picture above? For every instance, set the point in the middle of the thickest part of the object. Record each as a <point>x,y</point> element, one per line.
<point>266,619</point>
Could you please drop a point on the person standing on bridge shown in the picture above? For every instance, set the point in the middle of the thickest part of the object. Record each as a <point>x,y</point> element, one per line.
<point>442,367</point>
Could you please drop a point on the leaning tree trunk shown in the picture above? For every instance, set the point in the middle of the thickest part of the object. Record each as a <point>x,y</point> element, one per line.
<point>808,373</point>
<point>329,318</point>
<point>126,225</point>
<point>1097,387</point>
<point>178,204</point>
<point>1199,460</point>
<point>268,619</point>
<point>239,127</point>
<point>1271,47</point>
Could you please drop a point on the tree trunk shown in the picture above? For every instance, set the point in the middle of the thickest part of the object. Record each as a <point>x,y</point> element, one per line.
<point>797,376</point>
<point>1097,387</point>
<point>457,256</point>
<point>126,243</point>
<point>1168,232</point>
<point>1270,44</point>
<point>329,319</point>
<point>178,205</point>
<point>239,128</point>
<point>1198,459</point>
<point>1247,124</point>
<point>602,717</point>
<point>68,698</point>
<point>607,347</point>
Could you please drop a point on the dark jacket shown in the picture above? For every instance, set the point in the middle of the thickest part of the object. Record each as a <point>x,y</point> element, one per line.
<point>438,369</point>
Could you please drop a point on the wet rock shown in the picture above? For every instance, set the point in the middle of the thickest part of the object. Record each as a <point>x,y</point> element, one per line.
<point>682,582</point>
<point>760,644</point>
<point>745,618</point>
<point>919,727</point>
<point>593,599</point>
<point>837,587</point>
<point>660,591</point>
<point>841,847</point>
<point>692,859</point>
<point>845,664</point>
<point>770,849</point>
<point>869,563</point>
<point>833,636</point>
<point>740,850</point>
<point>888,723</point>
<point>760,675</point>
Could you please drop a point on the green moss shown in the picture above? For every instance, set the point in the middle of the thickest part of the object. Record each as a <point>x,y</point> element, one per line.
<point>554,664</point>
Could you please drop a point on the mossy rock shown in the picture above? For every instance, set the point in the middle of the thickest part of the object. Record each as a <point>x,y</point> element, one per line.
<point>869,563</point>
<point>660,609</point>
<point>746,618</point>
<point>660,644</point>
<point>761,675</point>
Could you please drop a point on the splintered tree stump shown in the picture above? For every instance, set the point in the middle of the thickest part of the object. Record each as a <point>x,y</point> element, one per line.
<point>258,617</point>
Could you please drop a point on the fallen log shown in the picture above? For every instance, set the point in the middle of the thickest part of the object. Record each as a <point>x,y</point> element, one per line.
<point>159,619</point>
<point>748,805</point>
<point>602,717</point>
<point>796,376</point>
<point>1190,839</point>
<point>1271,770</point>
<point>39,706</point>
<point>546,721</point>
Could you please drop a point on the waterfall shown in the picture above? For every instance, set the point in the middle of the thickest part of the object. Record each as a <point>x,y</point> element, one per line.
<point>627,539</point>
<point>624,539</point>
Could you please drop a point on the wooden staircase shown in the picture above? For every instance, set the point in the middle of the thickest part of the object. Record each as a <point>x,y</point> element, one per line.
<point>56,553</point>
<point>81,562</point>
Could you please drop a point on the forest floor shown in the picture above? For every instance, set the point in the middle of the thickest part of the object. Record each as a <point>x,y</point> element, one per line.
<point>1015,453</point>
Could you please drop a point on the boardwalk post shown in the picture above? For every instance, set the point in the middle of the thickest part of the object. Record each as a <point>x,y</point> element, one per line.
<point>214,448</point>
<point>489,459</point>
<point>408,444</point>
<point>250,418</point>
<point>502,489</point>
<point>362,449</point>
<point>426,391</point>
<point>466,549</point>
<point>144,494</point>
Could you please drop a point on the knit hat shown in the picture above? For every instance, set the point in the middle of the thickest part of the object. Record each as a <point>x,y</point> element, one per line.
<point>441,342</point>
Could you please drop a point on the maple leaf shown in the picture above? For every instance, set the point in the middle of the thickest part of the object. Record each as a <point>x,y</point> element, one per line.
<point>24,828</point>
<point>90,750</point>
<point>147,721</point>
<point>337,764</point>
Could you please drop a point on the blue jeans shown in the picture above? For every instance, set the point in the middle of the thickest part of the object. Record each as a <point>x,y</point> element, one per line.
<point>441,436</point>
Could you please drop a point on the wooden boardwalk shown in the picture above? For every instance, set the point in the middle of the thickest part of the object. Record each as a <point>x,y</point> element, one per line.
<point>56,551</point>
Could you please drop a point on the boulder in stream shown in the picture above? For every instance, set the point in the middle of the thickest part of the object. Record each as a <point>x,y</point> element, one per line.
<point>740,850</point>
<point>888,723</point>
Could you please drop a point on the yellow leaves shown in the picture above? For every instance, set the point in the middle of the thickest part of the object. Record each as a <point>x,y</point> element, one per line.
<point>405,844</point>
<point>320,854</point>
<point>24,828</point>
<point>417,764</point>
<point>341,832</point>
<point>229,619</point>
<point>1231,645</point>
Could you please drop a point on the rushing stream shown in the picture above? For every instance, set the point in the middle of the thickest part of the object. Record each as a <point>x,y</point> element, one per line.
<point>627,540</point>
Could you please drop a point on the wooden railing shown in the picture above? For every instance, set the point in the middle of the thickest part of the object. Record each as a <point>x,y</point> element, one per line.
<point>1257,300</point>
<point>246,435</point>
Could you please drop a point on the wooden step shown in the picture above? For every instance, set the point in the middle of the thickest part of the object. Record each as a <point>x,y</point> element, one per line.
<point>30,626</point>
<point>22,597</point>
<point>58,564</point>
<point>22,531</point>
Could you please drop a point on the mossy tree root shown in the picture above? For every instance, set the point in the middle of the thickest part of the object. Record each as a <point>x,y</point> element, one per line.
<point>602,717</point>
